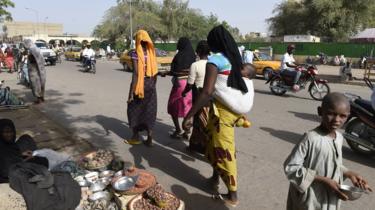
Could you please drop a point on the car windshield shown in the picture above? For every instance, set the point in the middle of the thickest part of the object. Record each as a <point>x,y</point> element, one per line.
<point>41,45</point>
<point>76,49</point>
<point>264,57</point>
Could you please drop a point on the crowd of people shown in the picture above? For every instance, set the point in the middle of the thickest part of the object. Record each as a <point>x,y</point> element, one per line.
<point>202,79</point>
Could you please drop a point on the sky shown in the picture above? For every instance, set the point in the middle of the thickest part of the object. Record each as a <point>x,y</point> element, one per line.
<point>81,16</point>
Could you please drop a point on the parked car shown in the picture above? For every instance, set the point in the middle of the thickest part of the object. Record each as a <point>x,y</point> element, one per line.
<point>265,65</point>
<point>73,53</point>
<point>163,62</point>
<point>48,54</point>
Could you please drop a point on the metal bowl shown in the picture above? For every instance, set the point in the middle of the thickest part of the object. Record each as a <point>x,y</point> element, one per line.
<point>105,180</point>
<point>97,186</point>
<point>92,176</point>
<point>119,173</point>
<point>107,173</point>
<point>124,183</point>
<point>100,195</point>
<point>83,183</point>
<point>353,193</point>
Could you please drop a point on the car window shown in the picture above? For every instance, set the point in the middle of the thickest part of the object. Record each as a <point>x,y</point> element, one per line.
<point>264,57</point>
<point>41,45</point>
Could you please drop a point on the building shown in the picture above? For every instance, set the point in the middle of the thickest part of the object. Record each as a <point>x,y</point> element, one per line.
<point>48,32</point>
<point>301,38</point>
<point>366,36</point>
<point>32,29</point>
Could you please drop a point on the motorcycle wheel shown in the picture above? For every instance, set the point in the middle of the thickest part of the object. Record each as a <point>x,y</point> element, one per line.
<point>266,73</point>
<point>318,91</point>
<point>357,128</point>
<point>276,88</point>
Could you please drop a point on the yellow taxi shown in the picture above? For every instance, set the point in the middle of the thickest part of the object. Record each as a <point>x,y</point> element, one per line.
<point>164,62</point>
<point>265,65</point>
<point>73,53</point>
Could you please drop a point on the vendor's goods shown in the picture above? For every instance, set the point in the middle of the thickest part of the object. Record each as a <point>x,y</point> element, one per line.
<point>99,159</point>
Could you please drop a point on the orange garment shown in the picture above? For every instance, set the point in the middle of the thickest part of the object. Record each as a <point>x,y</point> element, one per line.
<point>150,65</point>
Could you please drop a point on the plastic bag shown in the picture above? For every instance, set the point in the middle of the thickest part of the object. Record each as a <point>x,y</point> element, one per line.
<point>54,158</point>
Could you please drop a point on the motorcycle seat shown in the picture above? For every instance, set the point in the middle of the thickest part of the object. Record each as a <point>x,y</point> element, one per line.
<point>365,104</point>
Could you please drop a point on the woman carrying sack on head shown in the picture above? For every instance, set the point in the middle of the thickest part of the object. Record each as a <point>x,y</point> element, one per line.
<point>225,60</point>
<point>142,100</point>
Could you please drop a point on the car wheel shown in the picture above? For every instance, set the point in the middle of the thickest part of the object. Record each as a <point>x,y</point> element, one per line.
<point>266,73</point>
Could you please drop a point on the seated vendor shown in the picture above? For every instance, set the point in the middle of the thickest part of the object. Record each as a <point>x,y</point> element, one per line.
<point>12,151</point>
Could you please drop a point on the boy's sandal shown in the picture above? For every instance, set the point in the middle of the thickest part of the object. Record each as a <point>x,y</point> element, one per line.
<point>132,141</point>
<point>148,143</point>
<point>176,135</point>
<point>228,203</point>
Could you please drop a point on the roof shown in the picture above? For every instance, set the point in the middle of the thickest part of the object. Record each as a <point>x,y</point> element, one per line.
<point>366,34</point>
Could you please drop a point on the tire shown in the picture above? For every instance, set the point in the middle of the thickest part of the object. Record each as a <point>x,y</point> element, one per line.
<point>266,73</point>
<point>274,84</point>
<point>358,128</point>
<point>93,66</point>
<point>324,90</point>
<point>53,63</point>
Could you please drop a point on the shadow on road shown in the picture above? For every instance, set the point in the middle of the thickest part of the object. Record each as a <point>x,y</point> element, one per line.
<point>347,153</point>
<point>196,201</point>
<point>287,95</point>
<point>306,116</point>
<point>283,135</point>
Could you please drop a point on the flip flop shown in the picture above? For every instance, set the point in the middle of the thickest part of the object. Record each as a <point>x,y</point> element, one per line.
<point>228,203</point>
<point>132,141</point>
<point>176,135</point>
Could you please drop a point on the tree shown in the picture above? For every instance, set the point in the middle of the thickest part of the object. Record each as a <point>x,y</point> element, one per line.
<point>4,14</point>
<point>336,20</point>
<point>165,21</point>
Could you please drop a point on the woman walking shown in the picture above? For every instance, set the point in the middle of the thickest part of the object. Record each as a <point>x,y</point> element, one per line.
<point>226,60</point>
<point>142,100</point>
<point>9,59</point>
<point>179,106</point>
<point>37,71</point>
<point>198,138</point>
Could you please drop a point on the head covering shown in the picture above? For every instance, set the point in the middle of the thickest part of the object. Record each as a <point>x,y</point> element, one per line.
<point>7,123</point>
<point>184,57</point>
<point>220,40</point>
<point>9,151</point>
<point>151,65</point>
<point>35,51</point>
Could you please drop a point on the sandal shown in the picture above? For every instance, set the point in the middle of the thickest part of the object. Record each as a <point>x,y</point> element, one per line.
<point>176,135</point>
<point>132,141</point>
<point>149,142</point>
<point>228,203</point>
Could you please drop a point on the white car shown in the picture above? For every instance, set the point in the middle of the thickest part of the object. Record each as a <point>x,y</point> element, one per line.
<point>48,54</point>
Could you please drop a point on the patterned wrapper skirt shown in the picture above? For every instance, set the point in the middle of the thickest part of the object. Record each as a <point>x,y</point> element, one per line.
<point>179,106</point>
<point>142,112</point>
<point>221,150</point>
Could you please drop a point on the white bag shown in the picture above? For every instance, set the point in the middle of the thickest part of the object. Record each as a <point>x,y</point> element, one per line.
<point>234,99</point>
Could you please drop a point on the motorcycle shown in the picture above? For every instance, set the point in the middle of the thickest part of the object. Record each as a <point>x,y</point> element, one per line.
<point>280,83</point>
<point>323,58</point>
<point>360,126</point>
<point>90,64</point>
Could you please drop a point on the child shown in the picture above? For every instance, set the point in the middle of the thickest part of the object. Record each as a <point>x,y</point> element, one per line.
<point>314,168</point>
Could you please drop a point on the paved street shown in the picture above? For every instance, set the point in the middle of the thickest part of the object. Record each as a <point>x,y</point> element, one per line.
<point>94,107</point>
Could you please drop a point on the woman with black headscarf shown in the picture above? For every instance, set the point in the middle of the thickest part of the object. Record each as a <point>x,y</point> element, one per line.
<point>179,106</point>
<point>12,151</point>
<point>225,60</point>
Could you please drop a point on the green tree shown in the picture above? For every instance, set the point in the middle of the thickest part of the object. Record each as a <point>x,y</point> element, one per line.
<point>336,20</point>
<point>4,13</point>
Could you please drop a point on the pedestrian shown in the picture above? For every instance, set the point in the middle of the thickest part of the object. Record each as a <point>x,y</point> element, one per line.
<point>198,138</point>
<point>142,100</point>
<point>2,59</point>
<point>9,59</point>
<point>225,60</point>
<point>314,167</point>
<point>37,71</point>
<point>179,106</point>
